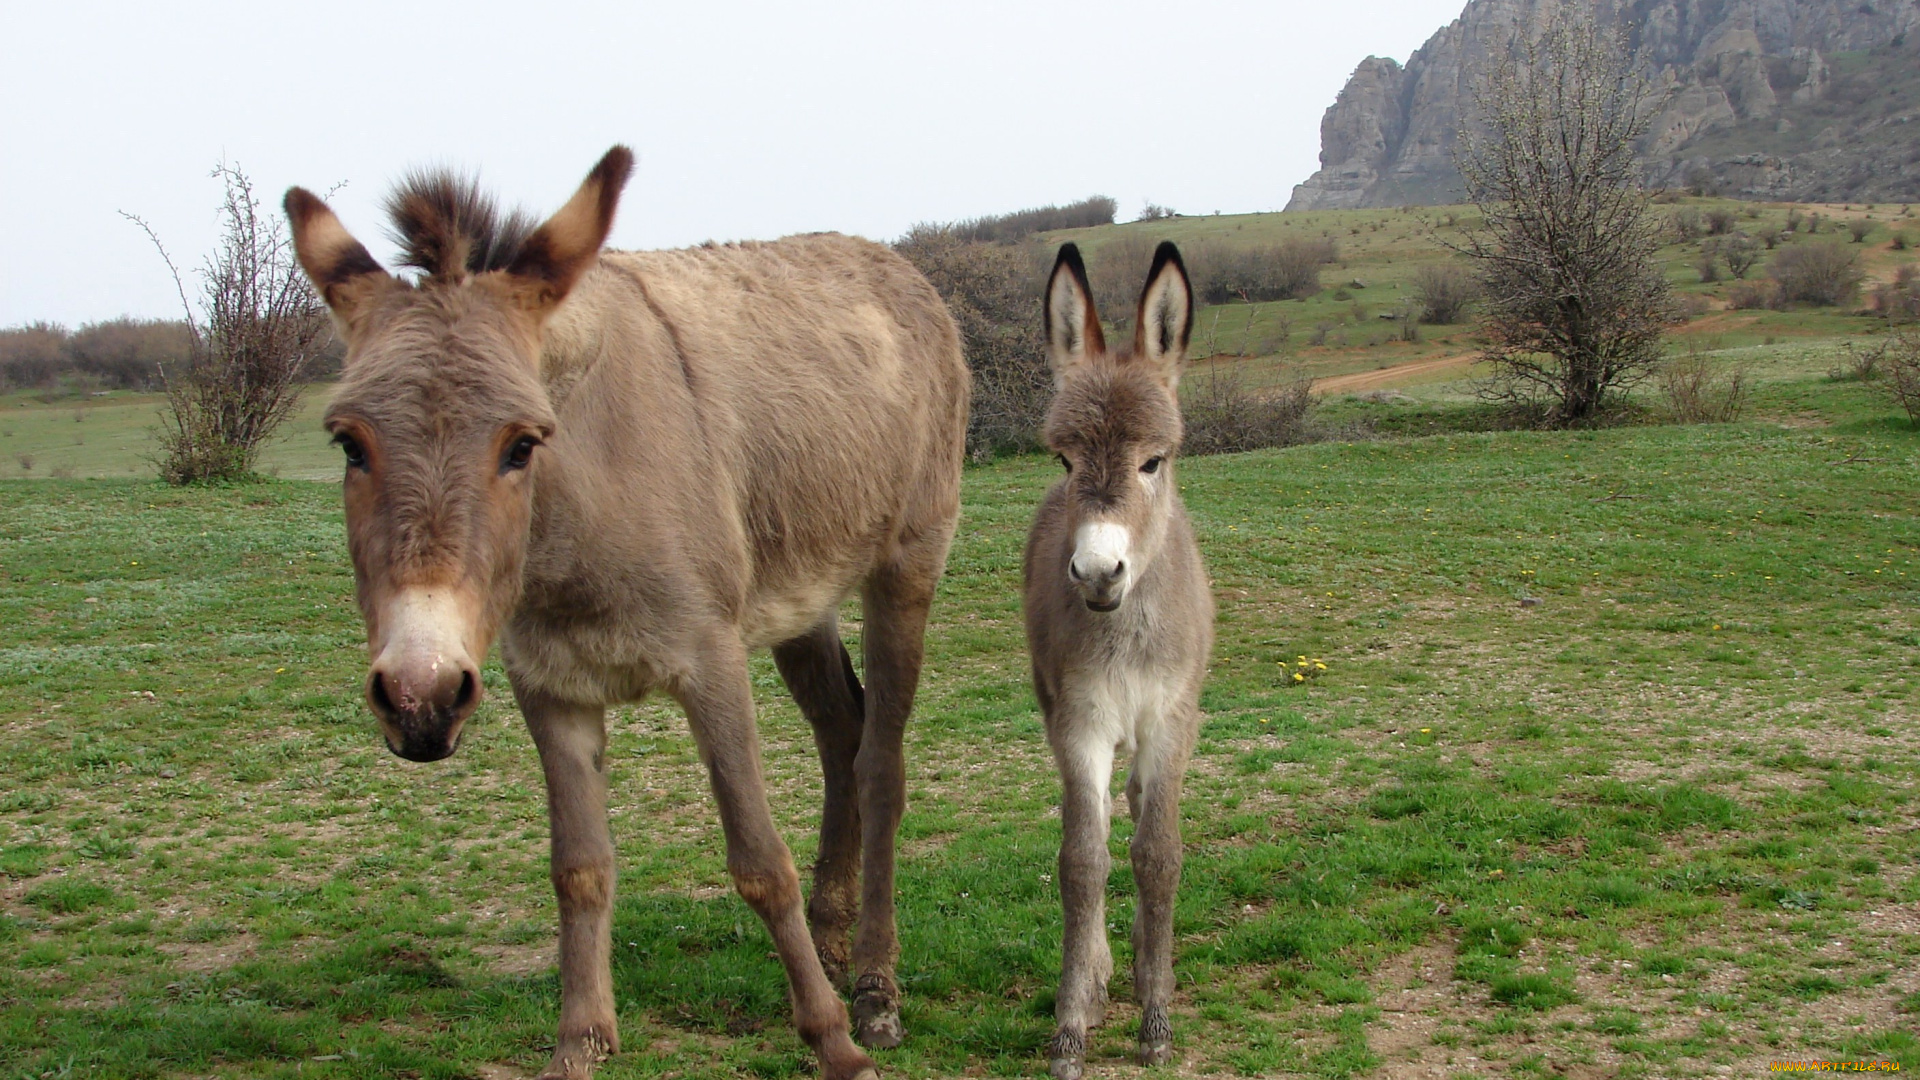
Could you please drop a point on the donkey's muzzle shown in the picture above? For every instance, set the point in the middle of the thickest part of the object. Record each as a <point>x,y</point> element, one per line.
<point>422,712</point>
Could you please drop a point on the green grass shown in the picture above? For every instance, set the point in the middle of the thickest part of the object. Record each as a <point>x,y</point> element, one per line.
<point>1663,815</point>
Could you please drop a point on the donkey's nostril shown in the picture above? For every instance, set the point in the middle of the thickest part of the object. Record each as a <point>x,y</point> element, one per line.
<point>378,697</point>
<point>1073,570</point>
<point>1119,569</point>
<point>469,689</point>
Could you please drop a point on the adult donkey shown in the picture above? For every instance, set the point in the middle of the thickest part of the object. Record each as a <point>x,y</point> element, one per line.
<point>635,468</point>
<point>1119,622</point>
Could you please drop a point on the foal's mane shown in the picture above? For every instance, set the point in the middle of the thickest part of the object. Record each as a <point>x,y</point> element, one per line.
<point>446,226</point>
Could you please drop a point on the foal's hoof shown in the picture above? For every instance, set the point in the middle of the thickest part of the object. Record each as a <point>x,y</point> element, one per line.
<point>1156,1038</point>
<point>576,1056</point>
<point>876,1013</point>
<point>1066,1056</point>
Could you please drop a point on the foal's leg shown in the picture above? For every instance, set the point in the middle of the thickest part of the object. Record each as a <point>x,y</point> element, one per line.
<point>894,605</point>
<point>1153,800</point>
<point>572,741</point>
<point>820,675</point>
<point>1086,961</point>
<point>719,703</point>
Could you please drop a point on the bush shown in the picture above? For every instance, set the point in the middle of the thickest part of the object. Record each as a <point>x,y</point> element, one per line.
<point>1739,252</point>
<point>1290,269</point>
<point>1699,393</point>
<point>1008,228</point>
<point>1443,291</point>
<point>1859,228</point>
<point>1899,300</point>
<point>1708,264</point>
<point>1826,274</point>
<point>1753,295</point>
<point>1899,242</point>
<point>1687,224</point>
<point>993,291</point>
<point>33,355</point>
<point>1155,212</point>
<point>1720,222</point>
<point>1901,362</point>
<point>1226,416</point>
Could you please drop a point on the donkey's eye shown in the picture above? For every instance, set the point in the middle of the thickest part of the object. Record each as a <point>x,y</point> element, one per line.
<point>519,453</point>
<point>1064,463</point>
<point>1152,465</point>
<point>356,454</point>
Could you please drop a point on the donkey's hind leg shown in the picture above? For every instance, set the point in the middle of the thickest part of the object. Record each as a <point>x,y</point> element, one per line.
<point>1153,800</point>
<point>1086,960</point>
<point>820,675</point>
<point>894,601</point>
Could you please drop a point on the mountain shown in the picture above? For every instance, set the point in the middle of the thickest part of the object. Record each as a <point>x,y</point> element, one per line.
<point>1808,100</point>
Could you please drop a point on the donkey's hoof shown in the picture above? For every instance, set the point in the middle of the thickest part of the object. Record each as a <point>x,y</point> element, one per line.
<point>576,1055</point>
<point>1156,1038</point>
<point>876,1013</point>
<point>1067,1055</point>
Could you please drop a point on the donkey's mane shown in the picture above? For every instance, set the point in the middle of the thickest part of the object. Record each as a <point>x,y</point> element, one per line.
<point>446,226</point>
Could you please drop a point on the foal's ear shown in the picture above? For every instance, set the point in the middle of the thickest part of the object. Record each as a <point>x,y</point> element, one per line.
<point>552,259</point>
<point>342,272</point>
<point>1165,322</point>
<point>1073,327</point>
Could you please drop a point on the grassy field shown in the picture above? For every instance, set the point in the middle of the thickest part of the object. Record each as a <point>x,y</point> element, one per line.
<point>1611,772</point>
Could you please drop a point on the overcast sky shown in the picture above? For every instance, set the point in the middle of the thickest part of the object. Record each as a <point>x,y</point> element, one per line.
<point>750,120</point>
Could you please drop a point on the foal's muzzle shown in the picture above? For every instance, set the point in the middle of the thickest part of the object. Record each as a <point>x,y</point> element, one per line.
<point>422,712</point>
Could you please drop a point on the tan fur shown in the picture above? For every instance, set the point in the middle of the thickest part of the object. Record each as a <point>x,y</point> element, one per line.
<point>1119,638</point>
<point>732,441</point>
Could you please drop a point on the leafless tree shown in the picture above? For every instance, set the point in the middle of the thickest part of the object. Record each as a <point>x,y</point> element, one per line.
<point>1574,300</point>
<point>254,332</point>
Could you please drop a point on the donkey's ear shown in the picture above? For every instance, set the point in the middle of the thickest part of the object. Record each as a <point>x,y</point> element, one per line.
<point>1073,327</point>
<point>552,259</point>
<point>342,272</point>
<point>1165,322</point>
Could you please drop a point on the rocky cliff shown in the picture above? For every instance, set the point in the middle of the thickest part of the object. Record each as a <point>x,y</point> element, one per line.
<point>1813,100</point>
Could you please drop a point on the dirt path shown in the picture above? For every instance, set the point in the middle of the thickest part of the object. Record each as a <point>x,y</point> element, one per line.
<point>1362,381</point>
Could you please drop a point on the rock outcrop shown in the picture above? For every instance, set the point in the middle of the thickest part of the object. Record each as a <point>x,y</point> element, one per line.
<point>1775,99</point>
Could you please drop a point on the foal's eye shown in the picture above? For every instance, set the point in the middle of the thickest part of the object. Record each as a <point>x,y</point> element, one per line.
<point>1064,463</point>
<point>1152,465</point>
<point>356,454</point>
<point>519,453</point>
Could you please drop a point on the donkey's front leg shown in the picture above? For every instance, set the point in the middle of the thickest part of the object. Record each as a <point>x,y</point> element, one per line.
<point>572,741</point>
<point>1153,800</point>
<point>719,703</point>
<point>1086,961</point>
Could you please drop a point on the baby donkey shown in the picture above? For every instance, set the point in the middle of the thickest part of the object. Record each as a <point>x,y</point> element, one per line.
<point>1119,622</point>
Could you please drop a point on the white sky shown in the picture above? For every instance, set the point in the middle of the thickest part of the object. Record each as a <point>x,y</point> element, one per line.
<point>751,120</point>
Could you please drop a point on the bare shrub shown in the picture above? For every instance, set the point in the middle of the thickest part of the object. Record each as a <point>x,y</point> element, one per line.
<point>1739,252</point>
<point>1701,392</point>
<point>1443,291</point>
<point>26,462</point>
<point>1155,212</point>
<point>1720,221</point>
<point>1859,229</point>
<point>1221,271</point>
<point>258,327</point>
<point>1020,224</point>
<point>1753,295</point>
<point>1224,415</point>
<point>993,292</point>
<point>1795,220</point>
<point>1902,372</point>
<point>1687,224</point>
<point>1860,365</point>
<point>33,355</point>
<point>1576,301</point>
<point>129,353</point>
<point>1899,242</point>
<point>1826,273</point>
<point>1114,269</point>
<point>1708,264</point>
<point>1899,299</point>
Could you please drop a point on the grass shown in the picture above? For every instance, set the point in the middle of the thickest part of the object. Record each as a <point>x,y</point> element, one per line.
<point>1656,822</point>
